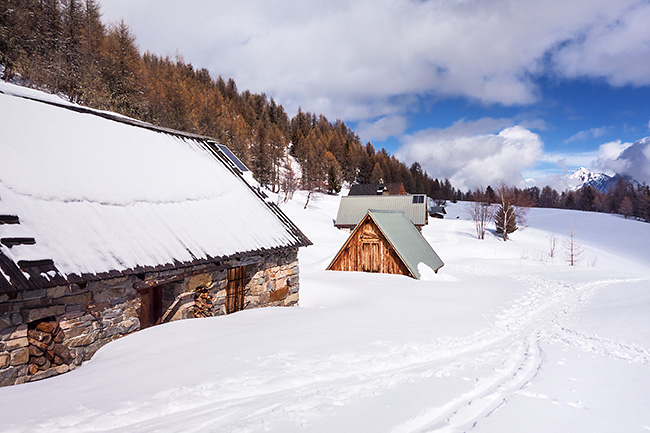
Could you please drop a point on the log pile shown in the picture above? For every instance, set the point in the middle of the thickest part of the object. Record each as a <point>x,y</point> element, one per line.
<point>203,303</point>
<point>46,349</point>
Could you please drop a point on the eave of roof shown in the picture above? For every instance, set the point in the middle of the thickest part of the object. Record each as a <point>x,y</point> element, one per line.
<point>408,242</point>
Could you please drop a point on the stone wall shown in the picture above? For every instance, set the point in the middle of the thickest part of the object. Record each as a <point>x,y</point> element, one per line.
<point>90,316</point>
<point>94,313</point>
<point>271,280</point>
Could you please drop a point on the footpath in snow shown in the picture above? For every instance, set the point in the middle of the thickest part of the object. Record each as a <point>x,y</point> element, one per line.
<point>503,338</point>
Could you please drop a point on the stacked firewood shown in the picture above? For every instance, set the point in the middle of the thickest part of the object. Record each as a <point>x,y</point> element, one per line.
<point>203,303</point>
<point>45,347</point>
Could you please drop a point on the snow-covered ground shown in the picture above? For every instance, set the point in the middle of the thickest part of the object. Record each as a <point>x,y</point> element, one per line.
<point>503,339</point>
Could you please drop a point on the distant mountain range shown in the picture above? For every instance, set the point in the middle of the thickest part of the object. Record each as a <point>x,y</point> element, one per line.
<point>599,181</point>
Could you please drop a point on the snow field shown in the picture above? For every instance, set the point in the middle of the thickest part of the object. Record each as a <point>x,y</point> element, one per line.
<point>503,338</point>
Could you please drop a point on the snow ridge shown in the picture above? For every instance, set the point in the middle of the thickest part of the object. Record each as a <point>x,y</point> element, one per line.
<point>584,177</point>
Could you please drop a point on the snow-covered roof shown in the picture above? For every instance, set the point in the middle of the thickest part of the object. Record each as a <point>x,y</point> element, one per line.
<point>98,192</point>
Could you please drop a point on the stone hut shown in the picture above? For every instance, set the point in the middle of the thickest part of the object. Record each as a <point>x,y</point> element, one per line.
<point>109,225</point>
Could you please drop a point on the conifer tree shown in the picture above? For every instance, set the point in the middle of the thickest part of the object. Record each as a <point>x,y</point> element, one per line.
<point>626,207</point>
<point>377,174</point>
<point>72,24</point>
<point>333,184</point>
<point>511,211</point>
<point>122,72</point>
<point>505,219</point>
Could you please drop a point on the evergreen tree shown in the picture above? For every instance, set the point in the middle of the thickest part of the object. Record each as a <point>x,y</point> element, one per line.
<point>626,207</point>
<point>377,174</point>
<point>511,211</point>
<point>587,197</point>
<point>122,72</point>
<point>333,184</point>
<point>548,197</point>
<point>490,196</point>
<point>72,26</point>
<point>505,219</point>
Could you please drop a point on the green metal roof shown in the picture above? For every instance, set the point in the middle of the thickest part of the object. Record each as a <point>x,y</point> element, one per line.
<point>408,242</point>
<point>353,208</point>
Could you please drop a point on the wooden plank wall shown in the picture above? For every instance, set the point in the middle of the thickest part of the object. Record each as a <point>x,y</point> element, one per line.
<point>369,251</point>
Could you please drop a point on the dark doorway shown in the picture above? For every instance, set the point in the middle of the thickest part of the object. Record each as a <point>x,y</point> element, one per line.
<point>150,306</point>
<point>235,290</point>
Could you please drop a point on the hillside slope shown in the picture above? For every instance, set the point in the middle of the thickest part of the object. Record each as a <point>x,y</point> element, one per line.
<point>503,338</point>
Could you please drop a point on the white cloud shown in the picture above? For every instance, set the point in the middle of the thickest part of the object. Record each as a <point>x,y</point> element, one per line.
<point>632,159</point>
<point>569,160</point>
<point>382,128</point>
<point>353,59</point>
<point>615,47</point>
<point>470,156</point>
<point>607,159</point>
<point>589,133</point>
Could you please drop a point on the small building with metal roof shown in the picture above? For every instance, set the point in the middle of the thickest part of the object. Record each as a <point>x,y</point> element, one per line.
<point>353,208</point>
<point>386,242</point>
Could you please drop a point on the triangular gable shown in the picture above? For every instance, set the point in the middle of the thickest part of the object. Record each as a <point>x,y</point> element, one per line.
<point>404,238</point>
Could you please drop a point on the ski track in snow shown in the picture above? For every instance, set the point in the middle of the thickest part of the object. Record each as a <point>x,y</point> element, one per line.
<point>535,319</point>
<point>510,349</point>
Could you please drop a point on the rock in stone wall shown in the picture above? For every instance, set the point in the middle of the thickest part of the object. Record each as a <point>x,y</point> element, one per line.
<point>275,282</point>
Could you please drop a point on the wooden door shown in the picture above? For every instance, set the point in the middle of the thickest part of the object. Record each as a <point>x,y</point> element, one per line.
<point>370,257</point>
<point>150,306</point>
<point>235,290</point>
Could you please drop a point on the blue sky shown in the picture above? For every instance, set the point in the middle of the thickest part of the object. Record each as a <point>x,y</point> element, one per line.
<point>477,91</point>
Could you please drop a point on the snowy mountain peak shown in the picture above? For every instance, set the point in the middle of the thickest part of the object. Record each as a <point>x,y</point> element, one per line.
<point>583,177</point>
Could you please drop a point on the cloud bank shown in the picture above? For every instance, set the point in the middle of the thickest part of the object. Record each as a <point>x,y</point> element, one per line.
<point>471,157</point>
<point>628,159</point>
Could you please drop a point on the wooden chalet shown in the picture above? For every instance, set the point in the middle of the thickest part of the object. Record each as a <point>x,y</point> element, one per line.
<point>377,189</point>
<point>386,242</point>
<point>353,208</point>
<point>109,225</point>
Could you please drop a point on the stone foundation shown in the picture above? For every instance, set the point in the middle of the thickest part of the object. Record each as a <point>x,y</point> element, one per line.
<point>92,314</point>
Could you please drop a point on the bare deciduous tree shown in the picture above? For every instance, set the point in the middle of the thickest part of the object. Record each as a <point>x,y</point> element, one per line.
<point>481,213</point>
<point>289,179</point>
<point>572,249</point>
<point>552,243</point>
